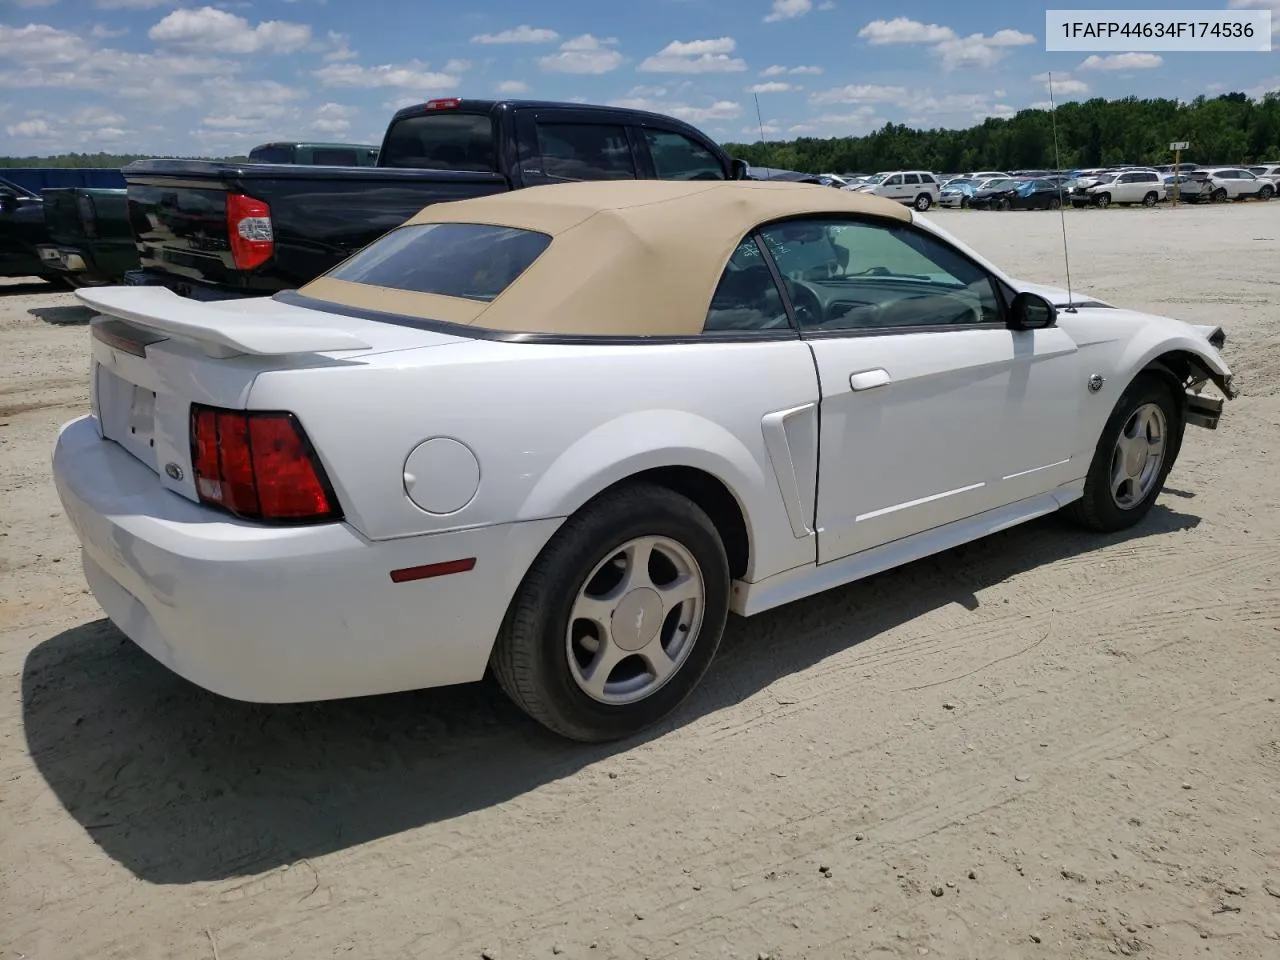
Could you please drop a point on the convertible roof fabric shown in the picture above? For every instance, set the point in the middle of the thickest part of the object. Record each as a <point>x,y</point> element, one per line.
<point>629,258</point>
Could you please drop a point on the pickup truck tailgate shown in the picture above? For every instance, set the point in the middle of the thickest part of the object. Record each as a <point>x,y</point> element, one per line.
<point>182,228</point>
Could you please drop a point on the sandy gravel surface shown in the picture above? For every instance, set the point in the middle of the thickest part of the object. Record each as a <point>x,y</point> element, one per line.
<point>1046,744</point>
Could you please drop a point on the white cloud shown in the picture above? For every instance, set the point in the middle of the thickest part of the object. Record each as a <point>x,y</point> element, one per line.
<point>778,71</point>
<point>974,50</point>
<point>771,86</point>
<point>333,118</point>
<point>102,32</point>
<point>1272,5</point>
<point>341,48</point>
<point>788,9</point>
<point>413,75</point>
<point>1063,84</point>
<point>904,30</point>
<point>208,28</point>
<point>132,4</point>
<point>695,56</point>
<point>39,43</point>
<point>520,34</point>
<point>651,98</point>
<point>457,66</point>
<point>30,129</point>
<point>584,54</point>
<point>977,50</point>
<point>1123,61</point>
<point>862,93</point>
<point>854,123</point>
<point>512,87</point>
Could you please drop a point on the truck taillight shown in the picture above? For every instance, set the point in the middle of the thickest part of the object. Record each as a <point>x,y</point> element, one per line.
<point>446,103</point>
<point>249,229</point>
<point>259,465</point>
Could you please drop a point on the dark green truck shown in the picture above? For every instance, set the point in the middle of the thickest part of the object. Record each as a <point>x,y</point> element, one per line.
<point>89,239</point>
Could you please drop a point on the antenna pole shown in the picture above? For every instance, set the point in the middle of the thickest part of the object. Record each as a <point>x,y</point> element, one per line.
<point>760,120</point>
<point>1062,212</point>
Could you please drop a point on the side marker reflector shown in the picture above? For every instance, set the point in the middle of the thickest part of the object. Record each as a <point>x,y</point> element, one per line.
<point>427,571</point>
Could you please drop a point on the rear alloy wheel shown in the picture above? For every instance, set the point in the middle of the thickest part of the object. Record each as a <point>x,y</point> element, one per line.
<point>1103,200</point>
<point>1150,199</point>
<point>923,202</point>
<point>1134,455</point>
<point>618,618</point>
<point>1266,193</point>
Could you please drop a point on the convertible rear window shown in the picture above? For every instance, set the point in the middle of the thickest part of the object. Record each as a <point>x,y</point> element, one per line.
<point>474,261</point>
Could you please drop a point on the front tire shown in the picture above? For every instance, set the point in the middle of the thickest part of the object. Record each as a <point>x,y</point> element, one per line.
<point>1135,453</point>
<point>1103,200</point>
<point>618,618</point>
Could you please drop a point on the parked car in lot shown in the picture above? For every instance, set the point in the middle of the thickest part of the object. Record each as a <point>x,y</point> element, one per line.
<point>316,154</point>
<point>1032,194</point>
<point>1188,187</point>
<point>22,230</point>
<point>995,187</point>
<point>916,188</point>
<point>513,432</point>
<point>211,230</point>
<point>1237,183</point>
<point>957,193</point>
<point>1146,187</point>
<point>89,237</point>
<point>1268,171</point>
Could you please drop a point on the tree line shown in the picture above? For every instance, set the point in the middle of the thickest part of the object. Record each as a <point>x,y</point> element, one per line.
<point>1231,128</point>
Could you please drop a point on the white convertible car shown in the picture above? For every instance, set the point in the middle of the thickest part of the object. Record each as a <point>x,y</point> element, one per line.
<point>563,432</point>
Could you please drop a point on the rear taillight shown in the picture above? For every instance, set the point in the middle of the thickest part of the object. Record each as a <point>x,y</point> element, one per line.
<point>249,229</point>
<point>259,466</point>
<point>444,103</point>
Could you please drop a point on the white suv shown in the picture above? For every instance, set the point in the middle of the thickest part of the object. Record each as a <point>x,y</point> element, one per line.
<point>1130,186</point>
<point>916,188</point>
<point>1237,183</point>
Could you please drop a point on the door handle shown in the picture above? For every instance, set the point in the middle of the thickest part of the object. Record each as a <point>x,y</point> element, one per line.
<point>868,379</point>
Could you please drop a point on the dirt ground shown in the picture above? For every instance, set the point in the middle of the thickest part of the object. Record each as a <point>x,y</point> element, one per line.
<point>1046,744</point>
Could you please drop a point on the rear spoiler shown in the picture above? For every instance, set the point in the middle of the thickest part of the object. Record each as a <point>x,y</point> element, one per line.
<point>219,328</point>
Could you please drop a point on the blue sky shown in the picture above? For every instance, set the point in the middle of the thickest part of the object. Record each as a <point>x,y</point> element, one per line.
<point>184,77</point>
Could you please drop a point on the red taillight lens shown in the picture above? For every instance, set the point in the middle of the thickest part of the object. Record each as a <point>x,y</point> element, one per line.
<point>444,103</point>
<point>249,230</point>
<point>259,466</point>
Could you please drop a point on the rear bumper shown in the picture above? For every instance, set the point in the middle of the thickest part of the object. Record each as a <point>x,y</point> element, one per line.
<point>281,615</point>
<point>193,289</point>
<point>65,259</point>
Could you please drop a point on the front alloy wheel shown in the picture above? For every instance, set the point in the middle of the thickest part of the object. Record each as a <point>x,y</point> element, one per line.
<point>1133,457</point>
<point>619,616</point>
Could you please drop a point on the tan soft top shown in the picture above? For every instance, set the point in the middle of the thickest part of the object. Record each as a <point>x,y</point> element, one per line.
<point>627,257</point>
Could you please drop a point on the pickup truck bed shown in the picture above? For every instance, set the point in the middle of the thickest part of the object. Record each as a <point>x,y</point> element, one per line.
<point>318,217</point>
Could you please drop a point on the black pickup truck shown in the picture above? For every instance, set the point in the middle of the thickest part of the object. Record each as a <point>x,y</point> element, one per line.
<point>212,230</point>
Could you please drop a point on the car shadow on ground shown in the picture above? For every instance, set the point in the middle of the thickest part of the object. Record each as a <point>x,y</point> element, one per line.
<point>179,785</point>
<point>63,316</point>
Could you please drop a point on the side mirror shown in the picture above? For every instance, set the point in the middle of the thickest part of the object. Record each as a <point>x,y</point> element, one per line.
<point>739,169</point>
<point>1030,311</point>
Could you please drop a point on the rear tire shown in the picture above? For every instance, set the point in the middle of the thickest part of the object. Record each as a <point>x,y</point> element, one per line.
<point>1266,193</point>
<point>1150,199</point>
<point>923,202</point>
<point>1149,399</point>
<point>532,657</point>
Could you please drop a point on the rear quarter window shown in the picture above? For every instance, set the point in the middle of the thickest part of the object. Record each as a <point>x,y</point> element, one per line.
<point>472,261</point>
<point>441,141</point>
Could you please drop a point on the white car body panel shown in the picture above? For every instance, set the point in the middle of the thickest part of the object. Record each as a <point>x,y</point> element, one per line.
<point>949,436</point>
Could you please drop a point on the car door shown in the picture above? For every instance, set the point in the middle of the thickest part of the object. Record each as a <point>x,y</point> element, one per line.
<point>932,408</point>
<point>892,187</point>
<point>910,187</point>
